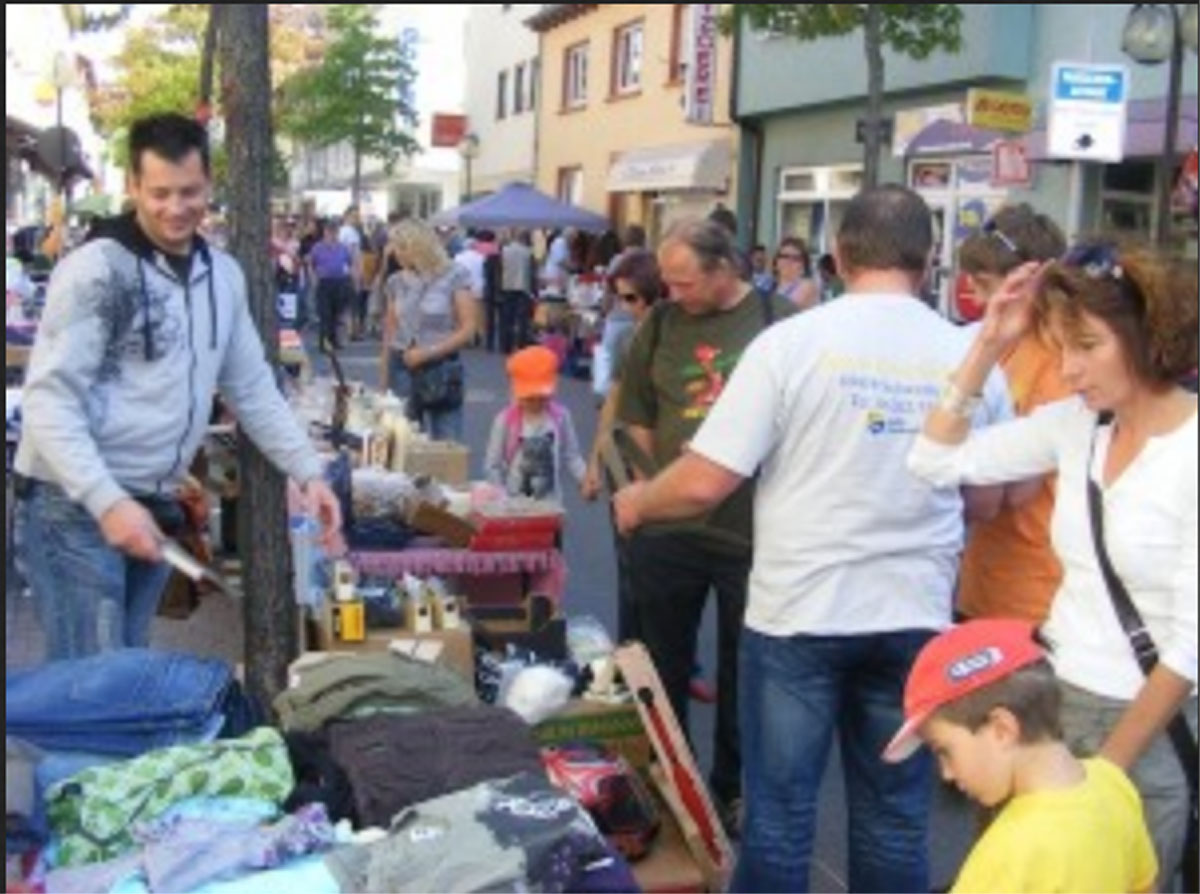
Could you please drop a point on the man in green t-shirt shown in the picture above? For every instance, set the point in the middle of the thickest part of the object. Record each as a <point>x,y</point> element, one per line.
<point>676,369</point>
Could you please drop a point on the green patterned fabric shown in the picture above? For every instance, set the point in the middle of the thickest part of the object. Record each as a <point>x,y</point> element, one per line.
<point>93,813</point>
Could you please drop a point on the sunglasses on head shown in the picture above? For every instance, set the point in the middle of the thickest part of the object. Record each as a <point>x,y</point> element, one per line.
<point>992,229</point>
<point>1100,261</point>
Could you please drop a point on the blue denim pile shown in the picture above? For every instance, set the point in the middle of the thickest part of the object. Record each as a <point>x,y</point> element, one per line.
<point>125,703</point>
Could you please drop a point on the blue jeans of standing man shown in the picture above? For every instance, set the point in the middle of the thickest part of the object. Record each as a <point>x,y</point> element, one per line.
<point>89,597</point>
<point>796,692</point>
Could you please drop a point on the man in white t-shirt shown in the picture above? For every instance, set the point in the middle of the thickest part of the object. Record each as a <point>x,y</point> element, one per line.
<point>854,558</point>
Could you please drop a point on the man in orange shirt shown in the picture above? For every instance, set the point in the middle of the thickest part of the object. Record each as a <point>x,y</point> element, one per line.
<point>1009,569</point>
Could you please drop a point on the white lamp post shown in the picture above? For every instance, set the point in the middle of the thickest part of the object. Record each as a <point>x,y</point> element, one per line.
<point>469,150</point>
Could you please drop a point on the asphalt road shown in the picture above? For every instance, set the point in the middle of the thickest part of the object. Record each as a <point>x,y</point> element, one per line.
<point>216,629</point>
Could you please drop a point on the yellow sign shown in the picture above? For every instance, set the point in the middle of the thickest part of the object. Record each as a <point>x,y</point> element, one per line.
<point>997,110</point>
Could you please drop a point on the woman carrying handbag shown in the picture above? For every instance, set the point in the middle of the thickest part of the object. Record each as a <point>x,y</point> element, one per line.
<point>1125,450</point>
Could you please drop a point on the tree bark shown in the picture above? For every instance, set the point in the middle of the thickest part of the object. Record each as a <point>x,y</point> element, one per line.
<point>873,135</point>
<point>208,56</point>
<point>270,609</point>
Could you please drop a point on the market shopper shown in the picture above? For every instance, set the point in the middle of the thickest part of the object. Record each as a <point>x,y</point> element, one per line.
<point>1009,569</point>
<point>793,267</point>
<point>1125,452</point>
<point>678,366</point>
<point>639,286</point>
<point>431,316</point>
<point>533,442</point>
<point>854,559</point>
<point>142,326</point>
<point>984,697</point>
<point>333,266</point>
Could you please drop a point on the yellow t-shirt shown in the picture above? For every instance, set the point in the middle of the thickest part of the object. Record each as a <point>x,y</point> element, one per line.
<point>1088,838</point>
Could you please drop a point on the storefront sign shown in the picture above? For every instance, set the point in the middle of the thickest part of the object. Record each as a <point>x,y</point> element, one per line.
<point>910,122</point>
<point>997,110</point>
<point>701,96</point>
<point>448,130</point>
<point>1010,164</point>
<point>1087,112</point>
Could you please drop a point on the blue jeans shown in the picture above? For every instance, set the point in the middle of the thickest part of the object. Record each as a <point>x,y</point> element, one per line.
<point>795,692</point>
<point>443,425</point>
<point>89,597</point>
<point>122,702</point>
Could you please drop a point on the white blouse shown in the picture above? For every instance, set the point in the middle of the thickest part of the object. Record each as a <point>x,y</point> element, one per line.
<point>1150,532</point>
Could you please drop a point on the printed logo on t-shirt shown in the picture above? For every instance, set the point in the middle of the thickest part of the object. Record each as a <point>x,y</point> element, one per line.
<point>537,467</point>
<point>894,398</point>
<point>705,380</point>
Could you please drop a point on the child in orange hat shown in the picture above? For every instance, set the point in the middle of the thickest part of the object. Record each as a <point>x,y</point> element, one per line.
<point>533,440</point>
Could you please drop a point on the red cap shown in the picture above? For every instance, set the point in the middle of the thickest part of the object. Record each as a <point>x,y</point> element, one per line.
<point>957,662</point>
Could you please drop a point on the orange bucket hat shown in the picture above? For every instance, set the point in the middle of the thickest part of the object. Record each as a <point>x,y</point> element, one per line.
<point>534,372</point>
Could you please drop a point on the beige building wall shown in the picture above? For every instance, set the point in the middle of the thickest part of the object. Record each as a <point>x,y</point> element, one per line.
<point>591,138</point>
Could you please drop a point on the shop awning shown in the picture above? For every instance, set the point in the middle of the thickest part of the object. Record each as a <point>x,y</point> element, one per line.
<point>1145,124</point>
<point>687,166</point>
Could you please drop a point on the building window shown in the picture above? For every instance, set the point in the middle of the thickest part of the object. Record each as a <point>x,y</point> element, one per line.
<point>681,35</point>
<point>1127,198</point>
<point>570,185</point>
<point>812,202</point>
<point>519,89</point>
<point>501,95</point>
<point>575,76</point>
<point>627,59</point>
<point>535,76</point>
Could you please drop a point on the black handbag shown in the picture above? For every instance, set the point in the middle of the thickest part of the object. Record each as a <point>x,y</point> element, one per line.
<point>1146,653</point>
<point>437,386</point>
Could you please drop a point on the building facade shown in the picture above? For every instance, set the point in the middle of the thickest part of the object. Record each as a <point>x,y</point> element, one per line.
<point>502,96</point>
<point>798,105</point>
<point>613,133</point>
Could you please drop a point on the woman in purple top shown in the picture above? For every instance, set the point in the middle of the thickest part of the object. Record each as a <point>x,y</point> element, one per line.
<point>332,265</point>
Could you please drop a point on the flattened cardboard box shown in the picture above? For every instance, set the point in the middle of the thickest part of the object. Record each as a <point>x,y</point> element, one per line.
<point>617,726</point>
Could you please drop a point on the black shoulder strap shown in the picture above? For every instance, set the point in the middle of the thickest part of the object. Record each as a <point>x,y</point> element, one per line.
<point>767,303</point>
<point>660,310</point>
<point>1144,648</point>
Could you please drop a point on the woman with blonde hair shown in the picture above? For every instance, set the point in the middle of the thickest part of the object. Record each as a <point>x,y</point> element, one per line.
<point>430,317</point>
<point>1122,622</point>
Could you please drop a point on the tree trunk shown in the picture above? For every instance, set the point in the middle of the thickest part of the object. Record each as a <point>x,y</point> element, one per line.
<point>270,609</point>
<point>873,130</point>
<point>208,57</point>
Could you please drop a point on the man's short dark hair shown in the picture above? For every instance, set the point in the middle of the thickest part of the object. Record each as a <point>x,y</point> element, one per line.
<point>711,242</point>
<point>635,236</point>
<point>170,136</point>
<point>726,218</point>
<point>886,228</point>
<point>1031,693</point>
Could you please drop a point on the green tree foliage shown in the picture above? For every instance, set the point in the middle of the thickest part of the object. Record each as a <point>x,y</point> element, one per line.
<point>909,29</point>
<point>355,94</point>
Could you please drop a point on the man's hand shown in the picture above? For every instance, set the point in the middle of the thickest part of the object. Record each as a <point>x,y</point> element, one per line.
<point>130,528</point>
<point>627,504</point>
<point>322,503</point>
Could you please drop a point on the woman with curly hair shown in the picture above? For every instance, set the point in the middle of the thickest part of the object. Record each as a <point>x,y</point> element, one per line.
<point>1125,451</point>
<point>430,317</point>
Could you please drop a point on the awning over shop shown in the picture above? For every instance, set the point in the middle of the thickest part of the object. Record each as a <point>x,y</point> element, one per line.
<point>1145,123</point>
<point>686,166</point>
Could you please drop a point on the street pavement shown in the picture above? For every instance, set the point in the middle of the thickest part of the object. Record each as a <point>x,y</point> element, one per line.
<point>216,628</point>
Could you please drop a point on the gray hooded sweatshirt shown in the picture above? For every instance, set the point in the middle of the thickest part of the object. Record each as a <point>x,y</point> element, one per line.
<point>126,362</point>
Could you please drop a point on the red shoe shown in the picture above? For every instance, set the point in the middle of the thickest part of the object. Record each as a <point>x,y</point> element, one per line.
<point>702,691</point>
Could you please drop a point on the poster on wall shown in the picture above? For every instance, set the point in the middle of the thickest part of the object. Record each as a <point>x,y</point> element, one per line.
<point>1088,112</point>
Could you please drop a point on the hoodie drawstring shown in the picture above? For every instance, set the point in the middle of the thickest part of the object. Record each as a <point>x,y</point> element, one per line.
<point>212,304</point>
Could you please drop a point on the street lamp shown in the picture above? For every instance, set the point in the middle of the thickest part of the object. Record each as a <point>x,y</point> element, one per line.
<point>468,148</point>
<point>1155,33</point>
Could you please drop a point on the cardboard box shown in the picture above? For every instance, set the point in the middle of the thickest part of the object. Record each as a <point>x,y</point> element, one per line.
<point>669,868</point>
<point>453,648</point>
<point>448,462</point>
<point>617,726</point>
<point>430,519</point>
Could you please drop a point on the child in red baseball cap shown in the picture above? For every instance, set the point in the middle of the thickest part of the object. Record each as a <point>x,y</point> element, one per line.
<point>533,440</point>
<point>984,698</point>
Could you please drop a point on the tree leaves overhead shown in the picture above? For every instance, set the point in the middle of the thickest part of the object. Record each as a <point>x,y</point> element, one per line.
<point>355,93</point>
<point>912,29</point>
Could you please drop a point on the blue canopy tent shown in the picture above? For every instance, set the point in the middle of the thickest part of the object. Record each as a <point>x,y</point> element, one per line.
<point>520,206</point>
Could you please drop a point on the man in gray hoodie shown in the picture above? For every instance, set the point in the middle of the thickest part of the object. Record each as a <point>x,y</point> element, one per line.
<point>143,324</point>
